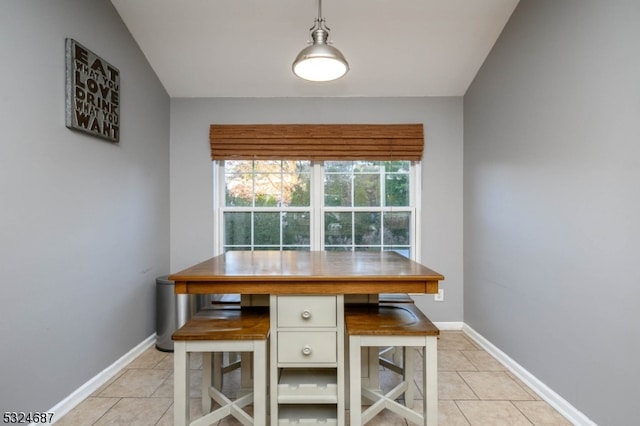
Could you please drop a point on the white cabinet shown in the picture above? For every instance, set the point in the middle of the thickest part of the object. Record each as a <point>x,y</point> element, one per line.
<point>307,360</point>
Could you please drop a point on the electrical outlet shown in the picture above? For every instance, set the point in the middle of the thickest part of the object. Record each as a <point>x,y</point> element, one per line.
<point>440,296</point>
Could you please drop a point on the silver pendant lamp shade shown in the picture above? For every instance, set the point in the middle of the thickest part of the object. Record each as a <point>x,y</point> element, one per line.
<point>320,61</point>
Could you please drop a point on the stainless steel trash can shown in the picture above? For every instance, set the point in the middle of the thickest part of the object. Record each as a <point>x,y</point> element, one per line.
<point>172,311</point>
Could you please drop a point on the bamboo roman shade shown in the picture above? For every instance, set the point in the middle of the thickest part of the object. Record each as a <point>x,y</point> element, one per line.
<point>316,141</point>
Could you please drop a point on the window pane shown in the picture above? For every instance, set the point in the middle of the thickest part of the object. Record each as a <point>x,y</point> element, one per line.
<point>238,183</point>
<point>268,184</point>
<point>397,190</point>
<point>366,167</point>
<point>298,191</point>
<point>365,248</point>
<point>397,166</point>
<point>237,228</point>
<point>337,228</point>
<point>367,228</point>
<point>296,228</point>
<point>338,167</point>
<point>238,166</point>
<point>397,228</point>
<point>338,183</point>
<point>267,228</point>
<point>404,251</point>
<point>267,166</point>
<point>367,190</point>
<point>337,190</point>
<point>329,248</point>
<point>295,166</point>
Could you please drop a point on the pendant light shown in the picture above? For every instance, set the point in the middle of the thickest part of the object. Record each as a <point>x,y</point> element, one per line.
<point>320,61</point>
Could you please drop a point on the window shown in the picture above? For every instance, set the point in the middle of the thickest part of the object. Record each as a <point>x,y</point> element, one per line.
<point>316,205</point>
<point>367,206</point>
<point>266,205</point>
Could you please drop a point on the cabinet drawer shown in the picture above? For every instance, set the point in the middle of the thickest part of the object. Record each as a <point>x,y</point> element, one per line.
<point>307,311</point>
<point>307,347</point>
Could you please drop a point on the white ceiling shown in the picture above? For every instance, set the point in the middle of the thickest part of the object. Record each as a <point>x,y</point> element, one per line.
<point>244,48</point>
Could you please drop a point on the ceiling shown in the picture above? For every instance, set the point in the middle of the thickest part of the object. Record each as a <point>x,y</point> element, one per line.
<point>245,48</point>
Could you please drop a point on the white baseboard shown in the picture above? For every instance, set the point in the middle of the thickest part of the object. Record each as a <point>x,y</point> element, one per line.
<point>80,394</point>
<point>449,326</point>
<point>561,405</point>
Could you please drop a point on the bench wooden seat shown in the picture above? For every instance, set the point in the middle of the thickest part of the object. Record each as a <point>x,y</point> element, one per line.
<point>234,360</point>
<point>216,331</point>
<point>221,324</point>
<point>400,325</point>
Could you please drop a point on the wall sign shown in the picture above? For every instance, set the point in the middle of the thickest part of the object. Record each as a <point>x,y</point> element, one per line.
<point>93,93</point>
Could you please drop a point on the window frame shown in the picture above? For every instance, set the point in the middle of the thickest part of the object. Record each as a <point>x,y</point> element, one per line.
<point>317,208</point>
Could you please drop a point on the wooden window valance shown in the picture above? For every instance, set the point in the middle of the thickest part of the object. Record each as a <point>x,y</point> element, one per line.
<point>316,141</point>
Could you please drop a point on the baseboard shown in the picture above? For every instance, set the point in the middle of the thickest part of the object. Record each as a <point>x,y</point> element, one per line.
<point>449,326</point>
<point>561,405</point>
<point>84,391</point>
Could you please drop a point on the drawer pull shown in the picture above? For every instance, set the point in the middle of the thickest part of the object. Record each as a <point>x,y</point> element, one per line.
<point>306,314</point>
<point>306,350</point>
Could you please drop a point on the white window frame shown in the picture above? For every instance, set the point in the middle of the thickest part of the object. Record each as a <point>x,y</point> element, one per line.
<point>317,213</point>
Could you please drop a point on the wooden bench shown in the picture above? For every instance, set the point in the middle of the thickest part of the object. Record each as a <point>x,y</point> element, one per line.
<point>234,360</point>
<point>390,357</point>
<point>400,325</point>
<point>215,331</point>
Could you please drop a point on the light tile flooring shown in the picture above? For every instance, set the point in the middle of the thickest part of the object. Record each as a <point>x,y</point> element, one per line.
<point>474,389</point>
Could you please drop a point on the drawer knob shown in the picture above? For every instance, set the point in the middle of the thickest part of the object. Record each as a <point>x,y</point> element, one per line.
<point>306,314</point>
<point>306,351</point>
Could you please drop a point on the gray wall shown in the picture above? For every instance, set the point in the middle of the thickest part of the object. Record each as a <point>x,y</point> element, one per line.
<point>83,222</point>
<point>552,200</point>
<point>192,234</point>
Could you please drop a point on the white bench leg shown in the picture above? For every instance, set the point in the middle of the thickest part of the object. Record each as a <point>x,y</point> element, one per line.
<point>245,370</point>
<point>180,384</point>
<point>430,380</point>
<point>208,378</point>
<point>218,372</point>
<point>408,373</point>
<point>260,383</point>
<point>355,398</point>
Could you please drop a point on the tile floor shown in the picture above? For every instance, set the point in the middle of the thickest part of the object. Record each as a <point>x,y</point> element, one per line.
<point>474,389</point>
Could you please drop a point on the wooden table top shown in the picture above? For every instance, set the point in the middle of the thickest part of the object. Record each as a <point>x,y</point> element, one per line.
<point>304,272</point>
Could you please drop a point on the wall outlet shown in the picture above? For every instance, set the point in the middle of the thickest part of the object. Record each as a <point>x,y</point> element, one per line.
<point>440,296</point>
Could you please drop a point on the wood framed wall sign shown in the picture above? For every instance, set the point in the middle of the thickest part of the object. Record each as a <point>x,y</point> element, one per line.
<point>92,93</point>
